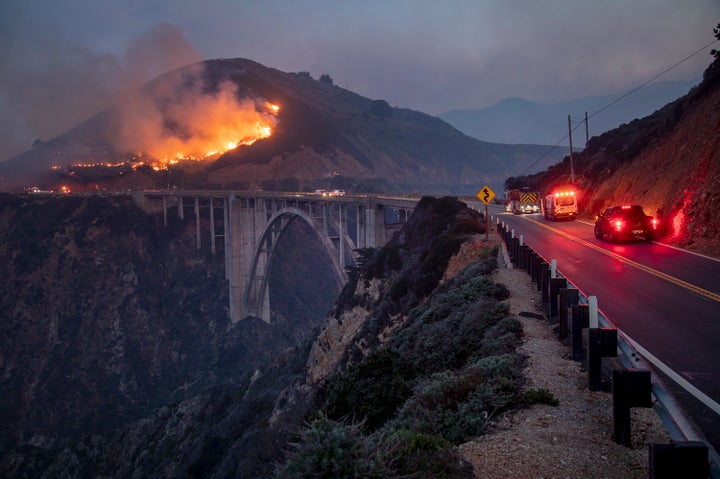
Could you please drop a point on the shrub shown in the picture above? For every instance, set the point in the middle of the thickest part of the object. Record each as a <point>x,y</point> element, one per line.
<point>332,450</point>
<point>371,390</point>
<point>541,396</point>
<point>435,343</point>
<point>384,261</point>
<point>502,338</point>
<point>457,405</point>
<point>409,453</point>
<point>451,327</point>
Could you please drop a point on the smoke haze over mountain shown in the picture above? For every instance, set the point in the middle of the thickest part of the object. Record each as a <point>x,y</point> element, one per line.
<point>182,122</point>
<point>64,61</point>
<point>40,99</point>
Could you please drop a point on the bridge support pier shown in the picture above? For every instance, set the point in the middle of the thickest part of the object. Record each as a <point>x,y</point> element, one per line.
<point>252,223</point>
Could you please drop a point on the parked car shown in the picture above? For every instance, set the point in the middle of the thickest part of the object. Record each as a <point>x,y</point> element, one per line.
<point>625,222</point>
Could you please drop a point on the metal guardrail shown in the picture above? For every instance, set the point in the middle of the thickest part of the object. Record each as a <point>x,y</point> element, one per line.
<point>679,427</point>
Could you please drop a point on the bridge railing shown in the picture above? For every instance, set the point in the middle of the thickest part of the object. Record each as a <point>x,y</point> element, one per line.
<point>632,379</point>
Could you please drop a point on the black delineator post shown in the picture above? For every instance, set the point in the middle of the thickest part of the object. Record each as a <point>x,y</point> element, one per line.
<point>568,297</point>
<point>522,256</point>
<point>631,388</point>
<point>518,252</point>
<point>580,319</point>
<point>555,285</point>
<point>527,260</point>
<point>602,343</point>
<point>537,261</point>
<point>531,265</point>
<point>513,250</point>
<point>687,459</point>
<point>545,282</point>
<point>594,360</point>
<point>542,269</point>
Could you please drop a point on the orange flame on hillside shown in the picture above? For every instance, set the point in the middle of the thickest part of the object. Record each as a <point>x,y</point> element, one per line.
<point>191,124</point>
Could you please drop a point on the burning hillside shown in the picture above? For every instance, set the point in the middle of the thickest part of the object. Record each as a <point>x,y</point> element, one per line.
<point>215,114</point>
<point>192,124</point>
<point>181,118</point>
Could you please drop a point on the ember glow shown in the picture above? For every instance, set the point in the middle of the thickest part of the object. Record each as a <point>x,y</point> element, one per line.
<point>188,124</point>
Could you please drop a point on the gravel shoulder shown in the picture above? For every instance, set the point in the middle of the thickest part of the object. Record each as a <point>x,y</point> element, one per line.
<point>574,439</point>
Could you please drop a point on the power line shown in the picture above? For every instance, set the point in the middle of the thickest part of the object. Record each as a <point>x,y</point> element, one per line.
<point>619,99</point>
<point>652,79</point>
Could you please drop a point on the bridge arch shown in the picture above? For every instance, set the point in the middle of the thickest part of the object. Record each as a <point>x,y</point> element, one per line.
<point>249,224</point>
<point>256,298</point>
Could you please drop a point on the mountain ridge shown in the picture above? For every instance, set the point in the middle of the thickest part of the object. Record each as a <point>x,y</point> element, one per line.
<point>322,132</point>
<point>519,120</point>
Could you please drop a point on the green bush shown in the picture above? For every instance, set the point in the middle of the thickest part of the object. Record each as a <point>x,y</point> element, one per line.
<point>504,337</point>
<point>435,343</point>
<point>451,326</point>
<point>328,449</point>
<point>370,391</point>
<point>409,453</point>
<point>457,405</point>
<point>541,396</point>
<point>386,260</point>
<point>441,376</point>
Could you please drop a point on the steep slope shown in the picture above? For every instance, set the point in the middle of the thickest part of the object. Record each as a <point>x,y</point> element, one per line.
<point>404,341</point>
<point>321,135</point>
<point>669,162</point>
<point>106,315</point>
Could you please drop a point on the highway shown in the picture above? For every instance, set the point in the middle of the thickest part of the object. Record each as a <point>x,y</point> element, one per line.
<point>665,299</point>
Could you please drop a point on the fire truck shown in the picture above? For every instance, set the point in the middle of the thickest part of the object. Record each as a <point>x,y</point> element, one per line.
<point>560,203</point>
<point>522,201</point>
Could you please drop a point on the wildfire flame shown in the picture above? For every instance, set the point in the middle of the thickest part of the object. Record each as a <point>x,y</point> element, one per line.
<point>191,124</point>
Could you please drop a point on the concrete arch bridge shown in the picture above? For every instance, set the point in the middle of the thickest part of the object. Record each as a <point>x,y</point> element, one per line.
<point>248,225</point>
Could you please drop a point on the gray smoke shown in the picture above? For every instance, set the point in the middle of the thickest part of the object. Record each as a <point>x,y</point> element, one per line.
<point>57,84</point>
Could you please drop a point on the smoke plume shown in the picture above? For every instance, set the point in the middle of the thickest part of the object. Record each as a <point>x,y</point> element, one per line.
<point>57,84</point>
<point>179,119</point>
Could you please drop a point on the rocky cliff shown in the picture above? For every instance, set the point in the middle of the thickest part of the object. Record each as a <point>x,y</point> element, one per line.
<point>107,317</point>
<point>411,361</point>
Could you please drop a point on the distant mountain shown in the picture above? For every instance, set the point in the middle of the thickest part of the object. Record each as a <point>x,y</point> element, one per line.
<point>517,121</point>
<point>322,136</point>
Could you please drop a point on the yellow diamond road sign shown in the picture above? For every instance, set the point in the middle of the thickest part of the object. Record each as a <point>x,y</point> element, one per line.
<point>486,194</point>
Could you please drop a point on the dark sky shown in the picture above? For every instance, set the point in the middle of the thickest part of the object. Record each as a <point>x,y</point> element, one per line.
<point>62,61</point>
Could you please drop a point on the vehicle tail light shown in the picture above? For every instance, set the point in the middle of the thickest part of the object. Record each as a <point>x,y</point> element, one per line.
<point>654,223</point>
<point>618,225</point>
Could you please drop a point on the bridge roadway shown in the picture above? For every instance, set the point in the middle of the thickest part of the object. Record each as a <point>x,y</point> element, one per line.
<point>250,224</point>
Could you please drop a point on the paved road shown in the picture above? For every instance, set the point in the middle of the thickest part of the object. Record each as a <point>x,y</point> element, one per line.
<point>665,299</point>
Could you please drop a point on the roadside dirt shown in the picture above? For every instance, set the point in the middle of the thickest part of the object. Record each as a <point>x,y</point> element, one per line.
<point>574,439</point>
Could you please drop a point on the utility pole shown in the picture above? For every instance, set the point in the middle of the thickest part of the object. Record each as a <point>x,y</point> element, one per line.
<point>572,168</point>
<point>587,133</point>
